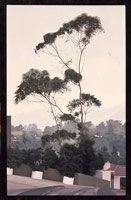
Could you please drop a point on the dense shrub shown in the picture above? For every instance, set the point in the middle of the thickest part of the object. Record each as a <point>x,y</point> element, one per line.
<point>14,158</point>
<point>37,159</point>
<point>80,159</point>
<point>70,161</point>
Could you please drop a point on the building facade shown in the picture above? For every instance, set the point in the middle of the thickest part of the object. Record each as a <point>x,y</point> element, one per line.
<point>116,174</point>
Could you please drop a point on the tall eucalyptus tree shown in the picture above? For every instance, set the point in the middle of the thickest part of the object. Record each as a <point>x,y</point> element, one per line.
<point>78,32</point>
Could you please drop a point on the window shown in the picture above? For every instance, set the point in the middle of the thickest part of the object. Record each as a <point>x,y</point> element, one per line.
<point>123,183</point>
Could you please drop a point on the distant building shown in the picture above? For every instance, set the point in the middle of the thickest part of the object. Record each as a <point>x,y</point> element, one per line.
<point>116,174</point>
<point>8,131</point>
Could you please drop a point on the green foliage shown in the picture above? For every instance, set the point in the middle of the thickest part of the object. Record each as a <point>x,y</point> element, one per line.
<point>80,159</point>
<point>27,137</point>
<point>70,161</point>
<point>87,154</point>
<point>112,157</point>
<point>120,144</point>
<point>58,85</point>
<point>46,139</point>
<point>106,145</point>
<point>38,82</point>
<point>14,158</point>
<point>105,153</point>
<point>73,104</point>
<point>37,159</point>
<point>110,129</point>
<point>67,117</point>
<point>87,100</point>
<point>34,81</point>
<point>87,25</point>
<point>66,135</point>
<point>49,159</point>
<point>71,75</point>
<point>115,158</point>
<point>100,161</point>
<point>32,157</point>
<point>90,100</point>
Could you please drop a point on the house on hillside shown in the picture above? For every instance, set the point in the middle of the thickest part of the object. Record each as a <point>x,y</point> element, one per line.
<point>116,174</point>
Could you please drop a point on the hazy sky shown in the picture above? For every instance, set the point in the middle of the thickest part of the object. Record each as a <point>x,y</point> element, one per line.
<point>104,59</point>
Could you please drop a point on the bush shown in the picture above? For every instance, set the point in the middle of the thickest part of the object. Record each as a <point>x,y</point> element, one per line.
<point>80,159</point>
<point>37,159</point>
<point>49,159</point>
<point>91,160</point>
<point>14,158</point>
<point>70,161</point>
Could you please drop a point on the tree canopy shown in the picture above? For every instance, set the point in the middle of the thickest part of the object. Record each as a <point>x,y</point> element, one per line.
<point>36,82</point>
<point>88,26</point>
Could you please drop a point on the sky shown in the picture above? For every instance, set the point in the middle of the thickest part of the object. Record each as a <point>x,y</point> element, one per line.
<point>104,58</point>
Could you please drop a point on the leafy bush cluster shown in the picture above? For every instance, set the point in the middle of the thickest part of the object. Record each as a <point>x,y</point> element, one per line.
<point>51,138</point>
<point>70,159</point>
<point>37,159</point>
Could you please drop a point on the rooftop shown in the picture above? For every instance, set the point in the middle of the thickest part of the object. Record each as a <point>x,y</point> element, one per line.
<point>118,170</point>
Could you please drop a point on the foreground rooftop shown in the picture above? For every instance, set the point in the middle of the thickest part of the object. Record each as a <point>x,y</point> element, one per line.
<point>19,185</point>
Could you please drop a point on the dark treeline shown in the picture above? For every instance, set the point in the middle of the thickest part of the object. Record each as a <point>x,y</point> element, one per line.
<point>108,137</point>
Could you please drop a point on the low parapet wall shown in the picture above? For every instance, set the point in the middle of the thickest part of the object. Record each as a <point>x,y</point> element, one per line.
<point>82,179</point>
<point>23,170</point>
<point>52,174</point>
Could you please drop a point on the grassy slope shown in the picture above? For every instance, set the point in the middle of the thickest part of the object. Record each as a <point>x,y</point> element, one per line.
<point>17,133</point>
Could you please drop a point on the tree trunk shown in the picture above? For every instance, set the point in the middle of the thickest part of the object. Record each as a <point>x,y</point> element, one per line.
<point>81,108</point>
<point>58,129</point>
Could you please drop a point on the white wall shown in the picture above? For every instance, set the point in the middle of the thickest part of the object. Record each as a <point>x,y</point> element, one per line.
<point>37,175</point>
<point>68,180</point>
<point>117,182</point>
<point>9,171</point>
<point>107,165</point>
<point>107,175</point>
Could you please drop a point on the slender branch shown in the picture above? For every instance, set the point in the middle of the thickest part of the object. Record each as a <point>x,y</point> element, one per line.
<point>87,111</point>
<point>79,43</point>
<point>83,63</point>
<point>80,89</point>
<point>55,121</point>
<point>79,65</point>
<point>55,48</point>
<point>52,103</point>
<point>49,53</point>
<point>33,101</point>
<point>75,42</point>
<point>38,98</point>
<point>76,62</point>
<point>55,104</point>
<point>81,107</point>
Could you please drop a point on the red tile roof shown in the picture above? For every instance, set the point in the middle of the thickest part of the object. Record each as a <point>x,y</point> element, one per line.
<point>118,170</point>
